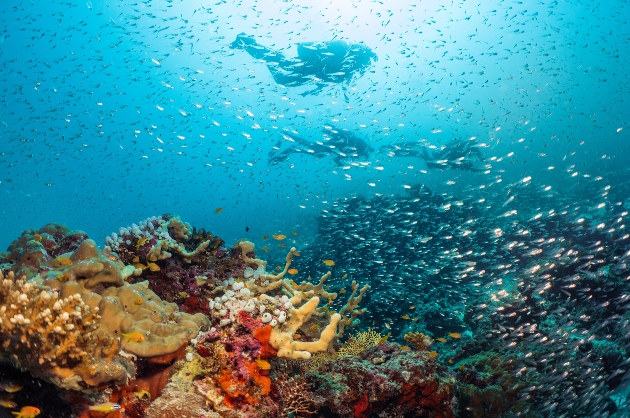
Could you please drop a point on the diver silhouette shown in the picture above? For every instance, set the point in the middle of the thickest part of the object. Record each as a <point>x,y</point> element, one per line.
<point>319,63</point>
<point>340,143</point>
<point>458,154</point>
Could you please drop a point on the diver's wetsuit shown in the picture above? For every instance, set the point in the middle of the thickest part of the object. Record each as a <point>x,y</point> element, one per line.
<point>458,155</point>
<point>341,144</point>
<point>317,62</point>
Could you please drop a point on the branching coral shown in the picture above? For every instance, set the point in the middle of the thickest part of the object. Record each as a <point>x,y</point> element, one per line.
<point>295,397</point>
<point>49,334</point>
<point>360,342</point>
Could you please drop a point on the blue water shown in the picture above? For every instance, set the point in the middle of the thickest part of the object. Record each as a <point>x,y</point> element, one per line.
<point>83,141</point>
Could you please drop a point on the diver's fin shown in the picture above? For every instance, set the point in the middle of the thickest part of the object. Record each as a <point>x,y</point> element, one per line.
<point>242,41</point>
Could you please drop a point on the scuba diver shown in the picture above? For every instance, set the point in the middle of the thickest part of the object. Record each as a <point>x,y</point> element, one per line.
<point>458,154</point>
<point>339,143</point>
<point>320,63</point>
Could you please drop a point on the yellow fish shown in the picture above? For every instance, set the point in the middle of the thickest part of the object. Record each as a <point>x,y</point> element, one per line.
<point>383,339</point>
<point>433,353</point>
<point>407,317</point>
<point>153,267</point>
<point>140,266</point>
<point>218,210</point>
<point>64,261</point>
<point>183,294</point>
<point>293,271</point>
<point>7,403</point>
<point>141,242</point>
<point>442,340</point>
<point>411,308</point>
<point>105,407</point>
<point>329,263</point>
<point>264,365</point>
<point>37,237</point>
<point>405,348</point>
<point>142,393</point>
<point>135,337</point>
<point>344,276</point>
<point>278,237</point>
<point>342,291</point>
<point>265,248</point>
<point>27,412</point>
<point>455,335</point>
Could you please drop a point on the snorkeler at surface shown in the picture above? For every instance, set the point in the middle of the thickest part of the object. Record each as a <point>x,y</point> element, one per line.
<point>458,154</point>
<point>318,63</point>
<point>339,143</point>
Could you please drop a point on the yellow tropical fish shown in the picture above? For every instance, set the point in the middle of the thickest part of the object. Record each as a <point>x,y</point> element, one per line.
<point>442,340</point>
<point>218,210</point>
<point>5,403</point>
<point>183,294</point>
<point>278,237</point>
<point>433,353</point>
<point>64,261</point>
<point>37,237</point>
<point>407,317</point>
<point>264,365</point>
<point>329,263</point>
<point>405,348</point>
<point>141,242</point>
<point>383,339</point>
<point>455,335</point>
<point>135,337</point>
<point>142,393</point>
<point>344,276</point>
<point>293,271</point>
<point>342,291</point>
<point>153,267</point>
<point>105,407</point>
<point>265,248</point>
<point>27,412</point>
<point>140,266</point>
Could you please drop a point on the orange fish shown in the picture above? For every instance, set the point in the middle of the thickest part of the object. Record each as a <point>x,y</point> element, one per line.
<point>141,242</point>
<point>37,237</point>
<point>218,210</point>
<point>135,337</point>
<point>265,248</point>
<point>407,317</point>
<point>293,271</point>
<point>264,365</point>
<point>405,348</point>
<point>27,412</point>
<point>153,267</point>
<point>282,245</point>
<point>455,335</point>
<point>433,353</point>
<point>64,261</point>
<point>294,232</point>
<point>329,263</point>
<point>442,340</point>
<point>265,237</point>
<point>279,237</point>
<point>6,403</point>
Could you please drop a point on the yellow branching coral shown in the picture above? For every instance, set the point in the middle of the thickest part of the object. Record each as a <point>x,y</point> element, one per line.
<point>360,342</point>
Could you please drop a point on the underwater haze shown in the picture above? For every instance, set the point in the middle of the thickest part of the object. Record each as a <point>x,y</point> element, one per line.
<point>469,160</point>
